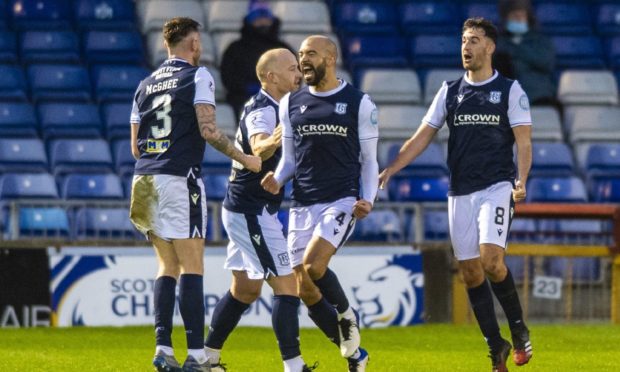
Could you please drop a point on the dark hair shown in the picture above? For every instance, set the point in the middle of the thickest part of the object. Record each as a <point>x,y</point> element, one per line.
<point>176,29</point>
<point>489,28</point>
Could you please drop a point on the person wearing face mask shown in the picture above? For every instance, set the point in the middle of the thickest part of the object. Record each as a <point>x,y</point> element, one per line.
<point>260,33</point>
<point>525,54</point>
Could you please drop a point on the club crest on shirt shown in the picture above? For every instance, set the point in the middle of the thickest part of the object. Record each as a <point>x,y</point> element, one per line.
<point>341,108</point>
<point>495,96</point>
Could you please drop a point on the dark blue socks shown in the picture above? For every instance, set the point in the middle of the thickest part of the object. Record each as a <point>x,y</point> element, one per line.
<point>226,316</point>
<point>482,303</point>
<point>506,294</point>
<point>286,325</point>
<point>164,298</point>
<point>332,290</point>
<point>324,316</point>
<point>192,307</point>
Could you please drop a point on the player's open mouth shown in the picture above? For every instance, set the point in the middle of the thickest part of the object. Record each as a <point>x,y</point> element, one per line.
<point>307,70</point>
<point>467,57</point>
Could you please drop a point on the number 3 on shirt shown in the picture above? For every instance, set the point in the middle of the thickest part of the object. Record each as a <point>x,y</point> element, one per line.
<point>162,102</point>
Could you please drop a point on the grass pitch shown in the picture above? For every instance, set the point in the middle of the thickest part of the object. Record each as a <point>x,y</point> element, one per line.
<point>421,348</point>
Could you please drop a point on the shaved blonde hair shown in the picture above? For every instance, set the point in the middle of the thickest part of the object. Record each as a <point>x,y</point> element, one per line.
<point>268,61</point>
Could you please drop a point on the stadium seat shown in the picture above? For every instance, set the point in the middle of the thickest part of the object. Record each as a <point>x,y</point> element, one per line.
<point>113,47</point>
<point>603,160</point>
<point>158,52</point>
<point>27,186</point>
<point>43,223</point>
<point>399,121</point>
<point>588,87</point>
<point>159,11</point>
<point>605,190</point>
<point>215,161</point>
<point>430,163</point>
<point>13,86</point>
<point>523,230</point>
<point>375,51</point>
<point>607,16</point>
<point>58,83</point>
<point>116,120</point>
<point>22,155</point>
<point>430,17</point>
<point>294,40</point>
<point>552,159</point>
<point>546,124</point>
<point>226,119</point>
<point>578,52</point>
<point>64,120</point>
<point>392,86</point>
<point>564,18</point>
<point>366,17</point>
<point>583,269</point>
<point>49,47</point>
<point>556,189</point>
<point>613,52</point>
<point>593,123</point>
<point>216,185</point>
<point>8,47</point>
<point>104,15</point>
<point>117,83</point>
<point>436,225</point>
<point>124,161</point>
<point>91,186</point>
<point>17,120</point>
<point>481,9</point>
<point>434,80</point>
<point>303,16</point>
<point>226,15</point>
<point>127,180</point>
<point>80,155</point>
<point>220,89</point>
<point>419,189</point>
<point>103,223</point>
<point>436,51</point>
<point>40,15</point>
<point>379,226</point>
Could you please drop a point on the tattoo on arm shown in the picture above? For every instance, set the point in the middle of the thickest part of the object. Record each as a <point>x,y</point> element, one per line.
<point>212,134</point>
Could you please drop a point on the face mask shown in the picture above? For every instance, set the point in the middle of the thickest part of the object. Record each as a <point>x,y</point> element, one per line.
<point>517,28</point>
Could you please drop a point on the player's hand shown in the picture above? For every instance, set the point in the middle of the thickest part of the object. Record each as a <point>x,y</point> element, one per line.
<point>270,184</point>
<point>253,163</point>
<point>384,178</point>
<point>519,193</point>
<point>361,208</point>
<point>276,136</point>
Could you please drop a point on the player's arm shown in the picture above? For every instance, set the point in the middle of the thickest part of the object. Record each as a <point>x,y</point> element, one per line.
<point>265,135</point>
<point>414,146</point>
<point>134,122</point>
<point>368,129</point>
<point>521,123</point>
<point>265,145</point>
<point>273,181</point>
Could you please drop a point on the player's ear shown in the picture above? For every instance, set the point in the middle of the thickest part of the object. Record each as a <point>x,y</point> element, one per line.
<point>490,47</point>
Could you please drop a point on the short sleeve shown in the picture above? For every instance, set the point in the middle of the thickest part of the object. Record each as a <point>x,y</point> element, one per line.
<point>135,113</point>
<point>437,113</point>
<point>205,87</point>
<point>261,121</point>
<point>287,129</point>
<point>518,106</point>
<point>368,127</point>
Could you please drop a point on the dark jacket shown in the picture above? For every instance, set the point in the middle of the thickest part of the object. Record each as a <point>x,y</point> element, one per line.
<point>238,64</point>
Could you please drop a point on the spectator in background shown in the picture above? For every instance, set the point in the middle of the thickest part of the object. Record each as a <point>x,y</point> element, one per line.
<point>238,65</point>
<point>525,54</point>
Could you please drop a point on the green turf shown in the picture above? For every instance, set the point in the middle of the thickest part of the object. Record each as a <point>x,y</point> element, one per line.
<point>422,348</point>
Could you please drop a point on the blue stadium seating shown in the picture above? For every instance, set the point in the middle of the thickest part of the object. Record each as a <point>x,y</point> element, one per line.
<point>430,163</point>
<point>516,265</point>
<point>17,120</point>
<point>613,52</point>
<point>216,185</point>
<point>22,155</point>
<point>13,86</point>
<point>551,159</point>
<point>123,159</point>
<point>28,186</point>
<point>430,17</point>
<point>420,189</point>
<point>481,9</point>
<point>105,15</point>
<point>69,120</point>
<point>43,222</point>
<point>116,120</point>
<point>603,160</point>
<point>49,47</point>
<point>380,225</point>
<point>607,16</point>
<point>79,156</point>
<point>436,226</point>
<point>523,230</point>
<point>578,52</point>
<point>117,83</point>
<point>113,47</point>
<point>215,161</point>
<point>58,83</point>
<point>375,51</point>
<point>8,47</point>
<point>556,189</point>
<point>605,190</point>
<point>436,51</point>
<point>103,223</point>
<point>40,15</point>
<point>91,186</point>
<point>368,17</point>
<point>564,18</point>
<point>584,269</point>
<point>127,181</point>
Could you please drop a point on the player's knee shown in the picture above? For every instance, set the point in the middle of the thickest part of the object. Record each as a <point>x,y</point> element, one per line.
<point>494,269</point>
<point>315,270</point>
<point>172,270</point>
<point>248,296</point>
<point>472,276</point>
